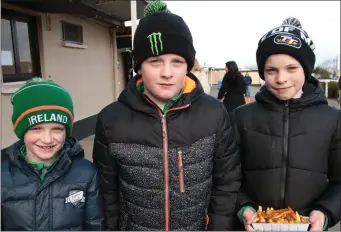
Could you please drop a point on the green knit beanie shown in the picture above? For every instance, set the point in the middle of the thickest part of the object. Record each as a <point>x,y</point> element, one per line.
<point>41,101</point>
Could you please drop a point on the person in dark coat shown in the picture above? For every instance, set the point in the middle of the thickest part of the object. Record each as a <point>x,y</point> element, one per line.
<point>45,183</point>
<point>232,88</point>
<point>290,138</point>
<point>166,151</point>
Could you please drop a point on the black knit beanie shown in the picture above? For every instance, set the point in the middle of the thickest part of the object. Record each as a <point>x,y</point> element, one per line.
<point>161,32</point>
<point>291,39</point>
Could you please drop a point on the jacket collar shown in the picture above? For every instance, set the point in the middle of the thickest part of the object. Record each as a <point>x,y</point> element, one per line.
<point>312,95</point>
<point>133,98</point>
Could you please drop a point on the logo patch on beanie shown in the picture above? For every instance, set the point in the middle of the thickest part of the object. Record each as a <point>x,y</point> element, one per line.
<point>290,31</point>
<point>155,40</point>
<point>288,40</point>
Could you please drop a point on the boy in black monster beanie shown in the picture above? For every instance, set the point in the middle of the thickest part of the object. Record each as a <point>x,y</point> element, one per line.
<point>161,32</point>
<point>165,150</point>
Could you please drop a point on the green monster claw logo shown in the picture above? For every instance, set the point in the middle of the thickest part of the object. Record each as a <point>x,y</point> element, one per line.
<point>154,45</point>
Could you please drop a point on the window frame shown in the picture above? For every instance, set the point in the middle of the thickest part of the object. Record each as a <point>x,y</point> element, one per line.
<point>80,30</point>
<point>13,17</point>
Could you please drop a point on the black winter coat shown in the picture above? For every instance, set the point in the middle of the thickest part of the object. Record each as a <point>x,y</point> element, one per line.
<point>67,199</point>
<point>232,89</point>
<point>167,171</point>
<point>291,153</point>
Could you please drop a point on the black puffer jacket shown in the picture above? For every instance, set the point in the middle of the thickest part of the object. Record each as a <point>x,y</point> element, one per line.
<point>167,171</point>
<point>291,153</point>
<point>67,199</point>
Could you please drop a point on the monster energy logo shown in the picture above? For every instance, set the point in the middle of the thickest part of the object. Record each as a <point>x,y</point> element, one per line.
<point>154,45</point>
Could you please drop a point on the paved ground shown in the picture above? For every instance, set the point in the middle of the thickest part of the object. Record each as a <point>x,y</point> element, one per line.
<point>87,143</point>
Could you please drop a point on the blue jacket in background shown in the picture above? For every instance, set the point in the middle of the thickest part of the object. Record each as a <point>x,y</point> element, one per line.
<point>67,199</point>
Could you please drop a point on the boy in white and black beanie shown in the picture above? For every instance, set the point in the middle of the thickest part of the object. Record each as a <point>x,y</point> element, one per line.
<point>289,38</point>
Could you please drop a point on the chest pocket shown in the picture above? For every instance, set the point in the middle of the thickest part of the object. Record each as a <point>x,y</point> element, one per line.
<point>69,207</point>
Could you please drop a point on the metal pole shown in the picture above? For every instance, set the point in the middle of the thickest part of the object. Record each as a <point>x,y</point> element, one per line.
<point>133,24</point>
<point>133,21</point>
<point>1,80</point>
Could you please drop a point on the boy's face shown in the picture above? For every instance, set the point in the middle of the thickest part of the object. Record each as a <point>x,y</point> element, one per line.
<point>163,76</point>
<point>284,76</point>
<point>43,141</point>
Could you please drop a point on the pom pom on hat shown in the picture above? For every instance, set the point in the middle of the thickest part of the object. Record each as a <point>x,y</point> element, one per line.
<point>155,6</point>
<point>293,22</point>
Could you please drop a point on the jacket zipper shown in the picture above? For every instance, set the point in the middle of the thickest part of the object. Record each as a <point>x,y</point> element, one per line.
<point>165,156</point>
<point>165,152</point>
<point>165,168</point>
<point>181,172</point>
<point>285,152</point>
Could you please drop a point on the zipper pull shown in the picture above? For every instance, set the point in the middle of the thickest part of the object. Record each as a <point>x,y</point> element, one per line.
<point>181,172</point>
<point>207,221</point>
<point>163,122</point>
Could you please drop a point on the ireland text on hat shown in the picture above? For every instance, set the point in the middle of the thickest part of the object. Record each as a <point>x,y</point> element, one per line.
<point>59,118</point>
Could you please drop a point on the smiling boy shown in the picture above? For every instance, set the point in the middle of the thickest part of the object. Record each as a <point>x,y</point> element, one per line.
<point>45,183</point>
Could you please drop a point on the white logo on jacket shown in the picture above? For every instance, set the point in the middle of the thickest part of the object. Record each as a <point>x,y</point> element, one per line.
<point>75,197</point>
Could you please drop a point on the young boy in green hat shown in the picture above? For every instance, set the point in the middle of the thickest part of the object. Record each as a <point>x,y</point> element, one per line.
<point>45,183</point>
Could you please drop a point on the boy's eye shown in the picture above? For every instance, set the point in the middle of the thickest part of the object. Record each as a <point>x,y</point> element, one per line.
<point>154,61</point>
<point>270,70</point>
<point>35,128</point>
<point>59,128</point>
<point>179,61</point>
<point>292,68</point>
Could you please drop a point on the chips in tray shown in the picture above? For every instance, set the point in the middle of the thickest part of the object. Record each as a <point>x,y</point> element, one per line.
<point>279,220</point>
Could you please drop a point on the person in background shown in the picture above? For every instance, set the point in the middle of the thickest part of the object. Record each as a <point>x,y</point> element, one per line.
<point>247,82</point>
<point>290,138</point>
<point>339,82</point>
<point>46,184</point>
<point>232,88</point>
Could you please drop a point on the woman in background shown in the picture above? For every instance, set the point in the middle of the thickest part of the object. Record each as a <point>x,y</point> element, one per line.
<point>232,88</point>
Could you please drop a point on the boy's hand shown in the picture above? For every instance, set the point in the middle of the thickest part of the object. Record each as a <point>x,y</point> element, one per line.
<point>316,220</point>
<point>248,217</point>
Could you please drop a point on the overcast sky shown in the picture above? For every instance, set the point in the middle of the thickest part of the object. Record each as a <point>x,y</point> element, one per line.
<point>230,30</point>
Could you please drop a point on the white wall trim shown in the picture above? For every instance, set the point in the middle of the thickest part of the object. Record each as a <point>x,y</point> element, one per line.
<point>73,45</point>
<point>11,87</point>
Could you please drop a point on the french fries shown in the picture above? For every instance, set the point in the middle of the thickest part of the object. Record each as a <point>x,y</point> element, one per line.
<point>278,216</point>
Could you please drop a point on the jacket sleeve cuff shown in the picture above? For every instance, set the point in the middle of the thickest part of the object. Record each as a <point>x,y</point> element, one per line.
<point>326,221</point>
<point>242,210</point>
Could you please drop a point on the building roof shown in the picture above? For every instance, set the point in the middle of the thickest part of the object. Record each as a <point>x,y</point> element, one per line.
<point>108,11</point>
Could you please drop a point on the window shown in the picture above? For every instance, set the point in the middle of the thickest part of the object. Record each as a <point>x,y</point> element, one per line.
<point>19,47</point>
<point>72,33</point>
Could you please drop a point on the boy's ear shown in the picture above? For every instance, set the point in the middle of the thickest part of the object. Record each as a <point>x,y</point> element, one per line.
<point>139,72</point>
